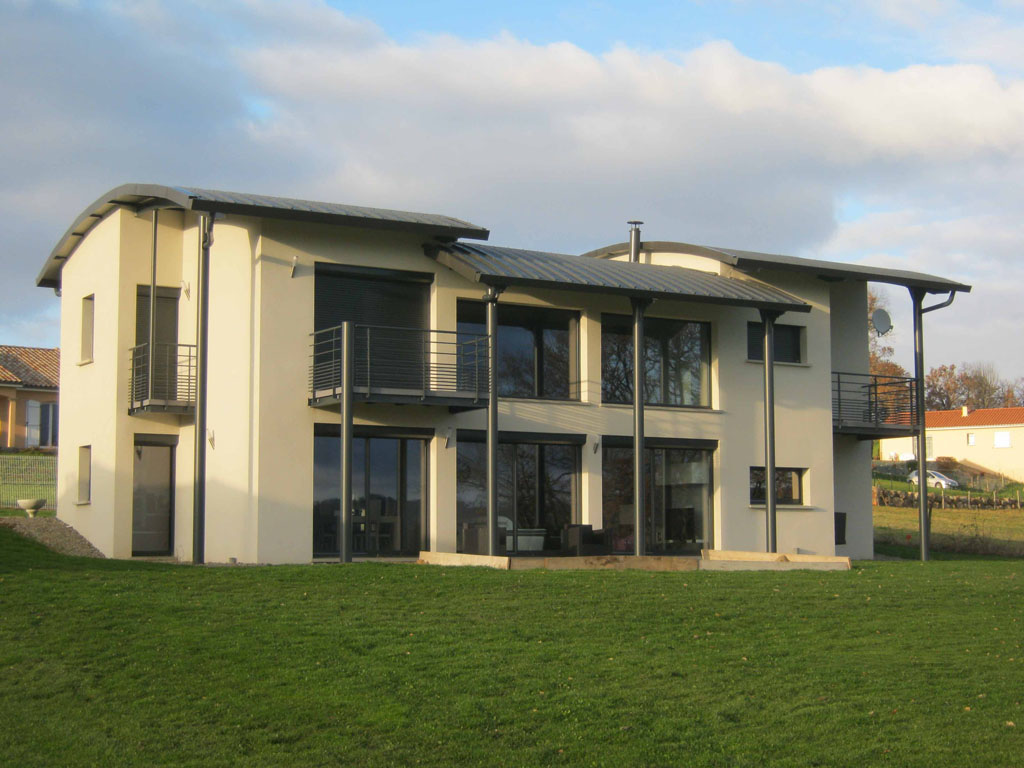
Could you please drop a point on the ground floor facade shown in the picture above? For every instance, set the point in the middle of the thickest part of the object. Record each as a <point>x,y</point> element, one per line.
<point>419,484</point>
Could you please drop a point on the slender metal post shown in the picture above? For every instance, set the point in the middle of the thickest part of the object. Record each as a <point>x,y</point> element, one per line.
<point>639,518</point>
<point>491,300</point>
<point>202,357</point>
<point>345,507</point>
<point>151,349</point>
<point>768,319</point>
<point>924,523</point>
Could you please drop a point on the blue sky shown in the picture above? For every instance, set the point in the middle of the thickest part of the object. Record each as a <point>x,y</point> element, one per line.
<point>888,132</point>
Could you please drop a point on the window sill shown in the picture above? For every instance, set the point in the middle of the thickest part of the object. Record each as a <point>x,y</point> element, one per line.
<point>670,408</point>
<point>792,507</point>
<point>83,503</point>
<point>84,362</point>
<point>780,362</point>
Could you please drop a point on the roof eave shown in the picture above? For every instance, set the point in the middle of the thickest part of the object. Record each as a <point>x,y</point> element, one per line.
<point>460,267</point>
<point>875,275</point>
<point>139,197</point>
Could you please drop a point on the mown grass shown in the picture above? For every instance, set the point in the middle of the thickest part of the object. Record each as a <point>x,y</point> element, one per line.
<point>972,531</point>
<point>126,663</point>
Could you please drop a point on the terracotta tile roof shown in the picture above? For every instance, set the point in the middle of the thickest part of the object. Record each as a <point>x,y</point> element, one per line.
<point>983,417</point>
<point>34,367</point>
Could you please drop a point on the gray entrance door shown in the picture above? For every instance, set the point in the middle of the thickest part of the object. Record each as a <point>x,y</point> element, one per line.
<point>152,500</point>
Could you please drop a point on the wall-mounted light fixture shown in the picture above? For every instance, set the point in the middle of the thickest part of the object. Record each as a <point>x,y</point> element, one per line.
<point>597,445</point>
<point>186,289</point>
<point>448,437</point>
<point>295,264</point>
<point>210,436</point>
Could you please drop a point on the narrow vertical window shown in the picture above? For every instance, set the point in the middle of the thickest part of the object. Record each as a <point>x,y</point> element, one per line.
<point>88,318</point>
<point>32,424</point>
<point>84,474</point>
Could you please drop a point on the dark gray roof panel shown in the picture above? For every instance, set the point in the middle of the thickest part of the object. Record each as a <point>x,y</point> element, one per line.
<point>829,269</point>
<point>501,267</point>
<point>142,196</point>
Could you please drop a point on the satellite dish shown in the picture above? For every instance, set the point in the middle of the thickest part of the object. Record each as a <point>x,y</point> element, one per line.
<point>882,322</point>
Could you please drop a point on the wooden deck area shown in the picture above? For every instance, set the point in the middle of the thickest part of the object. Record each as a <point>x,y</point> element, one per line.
<point>709,560</point>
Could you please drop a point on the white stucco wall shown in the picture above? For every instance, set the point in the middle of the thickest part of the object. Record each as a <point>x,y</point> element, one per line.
<point>260,427</point>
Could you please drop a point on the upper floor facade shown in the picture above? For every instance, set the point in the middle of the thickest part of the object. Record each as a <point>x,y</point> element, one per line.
<point>285,275</point>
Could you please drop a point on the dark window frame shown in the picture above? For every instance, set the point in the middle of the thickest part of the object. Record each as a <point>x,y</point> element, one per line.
<point>539,441</point>
<point>798,501</point>
<point>538,314</point>
<point>402,434</point>
<point>610,320</point>
<point>616,443</point>
<point>755,343</point>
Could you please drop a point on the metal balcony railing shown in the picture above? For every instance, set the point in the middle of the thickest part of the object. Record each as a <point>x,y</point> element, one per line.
<point>869,405</point>
<point>401,364</point>
<point>173,383</point>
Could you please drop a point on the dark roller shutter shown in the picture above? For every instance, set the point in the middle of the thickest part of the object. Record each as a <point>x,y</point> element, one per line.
<point>389,308</point>
<point>391,298</point>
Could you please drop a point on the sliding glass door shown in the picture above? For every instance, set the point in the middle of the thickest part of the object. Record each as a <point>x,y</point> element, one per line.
<point>677,495</point>
<point>387,495</point>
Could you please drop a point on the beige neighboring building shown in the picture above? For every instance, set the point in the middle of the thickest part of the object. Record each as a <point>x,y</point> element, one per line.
<point>285,277</point>
<point>992,438</point>
<point>29,378</point>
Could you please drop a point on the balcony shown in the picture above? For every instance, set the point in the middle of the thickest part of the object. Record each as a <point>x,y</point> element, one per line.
<point>872,407</point>
<point>401,365</point>
<point>166,386</point>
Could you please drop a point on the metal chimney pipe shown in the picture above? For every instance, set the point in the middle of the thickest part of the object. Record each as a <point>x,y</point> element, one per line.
<point>634,241</point>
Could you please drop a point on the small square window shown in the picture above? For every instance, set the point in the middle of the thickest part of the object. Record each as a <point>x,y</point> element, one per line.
<point>84,474</point>
<point>1001,440</point>
<point>970,438</point>
<point>788,347</point>
<point>788,485</point>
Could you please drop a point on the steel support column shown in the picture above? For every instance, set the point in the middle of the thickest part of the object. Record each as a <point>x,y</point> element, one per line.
<point>768,319</point>
<point>150,350</point>
<point>202,356</point>
<point>345,507</point>
<point>639,518</point>
<point>491,300</point>
<point>639,305</point>
<point>924,523</point>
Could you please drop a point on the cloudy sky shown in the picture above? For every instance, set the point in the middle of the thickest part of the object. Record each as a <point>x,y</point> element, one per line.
<point>888,132</point>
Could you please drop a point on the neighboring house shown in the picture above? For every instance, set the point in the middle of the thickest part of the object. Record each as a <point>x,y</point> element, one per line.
<point>992,438</point>
<point>252,298</point>
<point>29,377</point>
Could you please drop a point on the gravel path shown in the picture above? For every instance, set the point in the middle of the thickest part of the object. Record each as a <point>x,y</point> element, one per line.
<point>53,533</point>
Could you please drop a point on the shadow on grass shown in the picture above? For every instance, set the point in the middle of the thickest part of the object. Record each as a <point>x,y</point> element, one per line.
<point>19,553</point>
<point>913,552</point>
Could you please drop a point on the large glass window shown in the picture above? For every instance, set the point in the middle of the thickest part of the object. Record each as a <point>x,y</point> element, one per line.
<point>537,349</point>
<point>677,496</point>
<point>388,514</point>
<point>788,485</point>
<point>536,496</point>
<point>677,356</point>
<point>788,344</point>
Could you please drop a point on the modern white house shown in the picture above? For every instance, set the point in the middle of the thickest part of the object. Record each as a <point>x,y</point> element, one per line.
<point>989,438</point>
<point>259,379</point>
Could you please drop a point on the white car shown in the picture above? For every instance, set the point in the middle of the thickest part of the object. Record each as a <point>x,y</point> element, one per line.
<point>935,479</point>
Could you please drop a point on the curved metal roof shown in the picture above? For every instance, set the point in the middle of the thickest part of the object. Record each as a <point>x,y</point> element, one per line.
<point>826,269</point>
<point>139,197</point>
<point>502,267</point>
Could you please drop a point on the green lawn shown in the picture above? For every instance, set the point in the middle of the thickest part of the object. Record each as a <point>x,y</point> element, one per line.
<point>120,663</point>
<point>987,531</point>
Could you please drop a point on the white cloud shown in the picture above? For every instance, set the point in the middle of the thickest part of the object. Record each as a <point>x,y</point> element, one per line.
<point>550,146</point>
